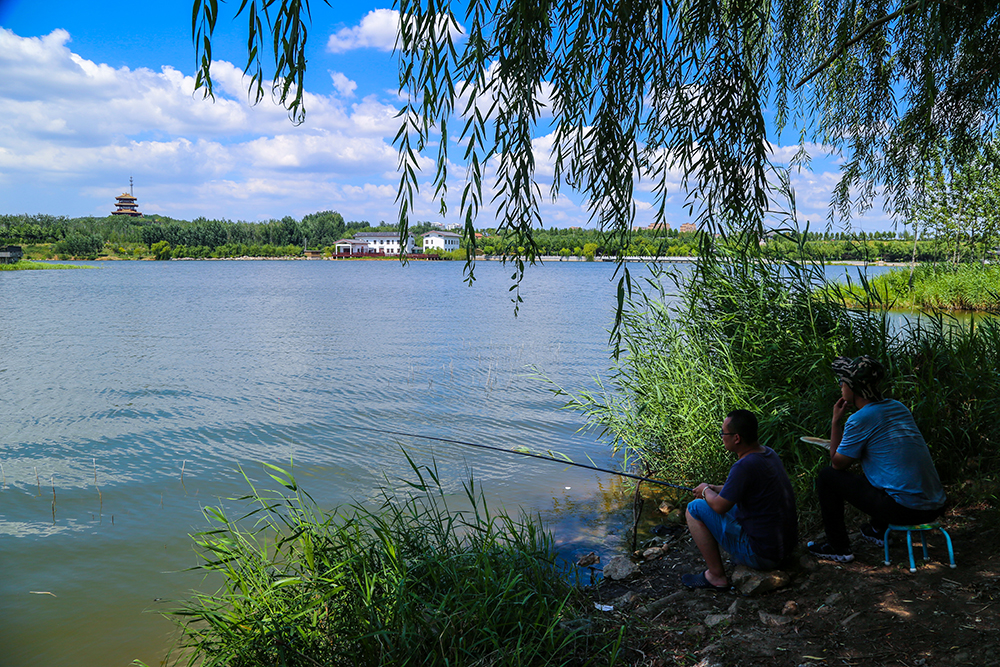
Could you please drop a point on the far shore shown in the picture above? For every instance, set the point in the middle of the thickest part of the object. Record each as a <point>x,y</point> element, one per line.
<point>482,258</point>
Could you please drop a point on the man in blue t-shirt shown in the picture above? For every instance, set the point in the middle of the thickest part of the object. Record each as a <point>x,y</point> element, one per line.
<point>899,485</point>
<point>752,516</point>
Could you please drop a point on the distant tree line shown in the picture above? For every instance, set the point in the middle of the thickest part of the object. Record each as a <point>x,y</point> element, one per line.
<point>165,238</point>
<point>859,249</point>
<point>315,229</point>
<point>827,246</point>
<point>592,243</point>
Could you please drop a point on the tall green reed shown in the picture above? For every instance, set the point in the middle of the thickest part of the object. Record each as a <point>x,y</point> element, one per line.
<point>731,335</point>
<point>27,265</point>
<point>973,287</point>
<point>408,582</point>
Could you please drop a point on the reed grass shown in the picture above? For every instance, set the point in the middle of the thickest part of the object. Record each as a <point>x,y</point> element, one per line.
<point>100,496</point>
<point>970,287</point>
<point>760,335</point>
<point>27,265</point>
<point>409,582</point>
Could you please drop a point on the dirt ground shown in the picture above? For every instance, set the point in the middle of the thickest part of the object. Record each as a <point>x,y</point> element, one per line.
<point>859,613</point>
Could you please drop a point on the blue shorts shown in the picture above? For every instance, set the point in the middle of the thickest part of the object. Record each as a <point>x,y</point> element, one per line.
<point>728,532</point>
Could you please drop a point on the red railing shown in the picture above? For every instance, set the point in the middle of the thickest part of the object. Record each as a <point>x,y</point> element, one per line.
<point>381,253</point>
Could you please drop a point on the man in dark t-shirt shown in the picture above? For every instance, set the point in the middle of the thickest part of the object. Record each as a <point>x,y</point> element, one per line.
<point>752,516</point>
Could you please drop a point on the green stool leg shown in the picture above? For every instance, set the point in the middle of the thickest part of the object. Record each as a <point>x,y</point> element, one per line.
<point>885,543</point>
<point>909,546</point>
<point>951,551</point>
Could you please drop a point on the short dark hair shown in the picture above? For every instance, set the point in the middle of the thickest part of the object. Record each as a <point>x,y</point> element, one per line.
<point>743,422</point>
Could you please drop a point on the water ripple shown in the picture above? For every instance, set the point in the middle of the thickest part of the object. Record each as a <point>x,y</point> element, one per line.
<point>134,395</point>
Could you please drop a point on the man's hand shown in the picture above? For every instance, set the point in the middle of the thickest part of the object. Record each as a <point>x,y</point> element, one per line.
<point>710,492</point>
<point>699,491</point>
<point>839,410</point>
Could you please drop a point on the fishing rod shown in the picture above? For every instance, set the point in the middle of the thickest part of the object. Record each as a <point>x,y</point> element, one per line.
<point>514,451</point>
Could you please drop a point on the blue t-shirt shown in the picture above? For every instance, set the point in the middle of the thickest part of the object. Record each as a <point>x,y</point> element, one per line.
<point>893,454</point>
<point>765,504</point>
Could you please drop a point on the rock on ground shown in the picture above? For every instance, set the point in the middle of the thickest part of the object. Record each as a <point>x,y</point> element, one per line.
<point>620,567</point>
<point>754,582</point>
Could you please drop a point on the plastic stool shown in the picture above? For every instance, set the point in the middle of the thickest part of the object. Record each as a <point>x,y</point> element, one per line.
<point>923,529</point>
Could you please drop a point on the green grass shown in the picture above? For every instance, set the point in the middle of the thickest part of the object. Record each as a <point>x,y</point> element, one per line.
<point>971,287</point>
<point>36,251</point>
<point>410,582</point>
<point>25,265</point>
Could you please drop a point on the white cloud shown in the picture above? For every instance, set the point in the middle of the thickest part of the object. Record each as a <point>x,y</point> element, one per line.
<point>344,86</point>
<point>332,153</point>
<point>371,116</point>
<point>784,154</point>
<point>363,192</point>
<point>72,131</point>
<point>48,90</point>
<point>378,30</point>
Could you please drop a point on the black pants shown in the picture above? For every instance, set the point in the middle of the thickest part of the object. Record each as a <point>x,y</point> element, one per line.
<point>835,487</point>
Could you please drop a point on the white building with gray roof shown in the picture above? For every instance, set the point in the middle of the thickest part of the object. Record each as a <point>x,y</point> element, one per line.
<point>385,242</point>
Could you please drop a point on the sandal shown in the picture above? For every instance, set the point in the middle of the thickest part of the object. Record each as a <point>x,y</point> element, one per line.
<point>699,581</point>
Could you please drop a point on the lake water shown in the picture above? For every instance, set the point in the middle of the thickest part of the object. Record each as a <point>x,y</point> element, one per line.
<point>163,378</point>
<point>133,392</point>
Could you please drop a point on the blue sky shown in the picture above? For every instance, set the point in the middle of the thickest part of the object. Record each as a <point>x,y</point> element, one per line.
<point>96,92</point>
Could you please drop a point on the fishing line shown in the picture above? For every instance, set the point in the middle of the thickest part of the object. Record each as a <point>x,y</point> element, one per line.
<point>514,451</point>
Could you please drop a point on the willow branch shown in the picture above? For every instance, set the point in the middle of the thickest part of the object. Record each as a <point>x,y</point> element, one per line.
<point>857,38</point>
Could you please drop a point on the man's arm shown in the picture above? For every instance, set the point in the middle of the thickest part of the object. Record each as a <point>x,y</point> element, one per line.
<point>710,492</point>
<point>837,460</point>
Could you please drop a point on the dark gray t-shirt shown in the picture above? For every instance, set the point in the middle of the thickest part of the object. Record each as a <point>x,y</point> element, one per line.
<point>765,503</point>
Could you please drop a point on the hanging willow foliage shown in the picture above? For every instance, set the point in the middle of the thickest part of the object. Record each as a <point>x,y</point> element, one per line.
<point>668,96</point>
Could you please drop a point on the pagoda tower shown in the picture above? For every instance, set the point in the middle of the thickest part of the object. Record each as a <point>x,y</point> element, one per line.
<point>126,203</point>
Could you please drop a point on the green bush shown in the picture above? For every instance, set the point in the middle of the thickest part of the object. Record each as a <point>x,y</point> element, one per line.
<point>79,245</point>
<point>197,252</point>
<point>161,250</point>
